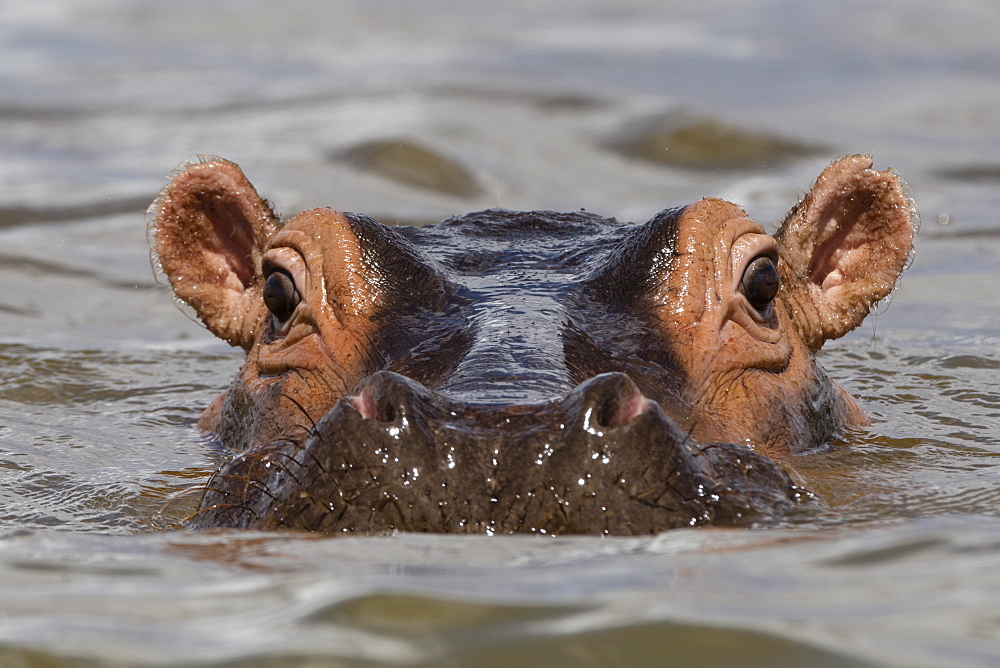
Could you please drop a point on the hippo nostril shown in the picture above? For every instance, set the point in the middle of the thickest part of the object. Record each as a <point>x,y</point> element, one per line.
<point>375,408</point>
<point>365,404</point>
<point>387,397</point>
<point>610,400</point>
<point>626,409</point>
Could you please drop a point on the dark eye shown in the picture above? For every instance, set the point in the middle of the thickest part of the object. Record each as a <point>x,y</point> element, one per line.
<point>280,295</point>
<point>760,282</point>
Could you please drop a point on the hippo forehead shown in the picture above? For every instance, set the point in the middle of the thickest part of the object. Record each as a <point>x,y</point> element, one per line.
<point>538,301</point>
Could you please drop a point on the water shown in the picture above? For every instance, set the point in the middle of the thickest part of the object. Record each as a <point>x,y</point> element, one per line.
<point>522,105</point>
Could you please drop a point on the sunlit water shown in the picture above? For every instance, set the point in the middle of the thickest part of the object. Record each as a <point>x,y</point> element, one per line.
<point>522,105</point>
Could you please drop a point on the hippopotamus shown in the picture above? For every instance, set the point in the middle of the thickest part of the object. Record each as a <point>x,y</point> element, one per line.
<point>525,371</point>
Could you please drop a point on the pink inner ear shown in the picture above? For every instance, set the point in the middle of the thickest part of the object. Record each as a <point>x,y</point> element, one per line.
<point>232,246</point>
<point>228,264</point>
<point>832,280</point>
<point>845,242</point>
<point>239,220</point>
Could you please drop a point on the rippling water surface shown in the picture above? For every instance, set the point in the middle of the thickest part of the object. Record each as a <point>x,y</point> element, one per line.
<point>411,112</point>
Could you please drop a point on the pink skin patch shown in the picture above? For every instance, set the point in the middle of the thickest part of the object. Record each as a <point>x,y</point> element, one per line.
<point>365,404</point>
<point>628,409</point>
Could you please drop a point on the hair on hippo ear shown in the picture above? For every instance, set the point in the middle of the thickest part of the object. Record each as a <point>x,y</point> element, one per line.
<point>208,235</point>
<point>843,247</point>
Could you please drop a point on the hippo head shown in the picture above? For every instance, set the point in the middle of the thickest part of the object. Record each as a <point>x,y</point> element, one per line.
<point>524,371</point>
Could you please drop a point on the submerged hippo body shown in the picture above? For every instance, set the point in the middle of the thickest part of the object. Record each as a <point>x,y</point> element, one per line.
<point>524,371</point>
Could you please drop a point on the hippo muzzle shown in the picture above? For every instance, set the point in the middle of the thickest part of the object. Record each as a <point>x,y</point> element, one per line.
<point>399,456</point>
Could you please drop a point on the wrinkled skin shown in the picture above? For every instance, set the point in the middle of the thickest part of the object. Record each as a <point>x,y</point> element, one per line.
<point>525,371</point>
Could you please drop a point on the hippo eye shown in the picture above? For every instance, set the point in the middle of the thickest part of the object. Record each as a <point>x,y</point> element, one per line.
<point>760,282</point>
<point>280,295</point>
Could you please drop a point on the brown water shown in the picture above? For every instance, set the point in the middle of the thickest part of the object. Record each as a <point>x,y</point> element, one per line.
<point>410,112</point>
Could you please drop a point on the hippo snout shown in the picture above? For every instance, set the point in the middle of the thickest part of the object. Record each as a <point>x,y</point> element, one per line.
<point>606,401</point>
<point>399,456</point>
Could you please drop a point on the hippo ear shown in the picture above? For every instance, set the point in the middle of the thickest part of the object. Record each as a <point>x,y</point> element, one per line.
<point>211,229</point>
<point>843,248</point>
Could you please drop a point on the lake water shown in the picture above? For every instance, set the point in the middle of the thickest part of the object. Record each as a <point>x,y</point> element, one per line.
<point>619,109</point>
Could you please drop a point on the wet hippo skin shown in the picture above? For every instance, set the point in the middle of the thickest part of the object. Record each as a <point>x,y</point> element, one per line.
<point>511,371</point>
